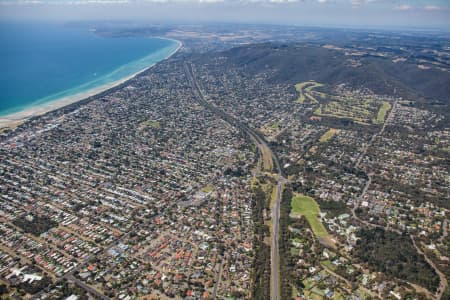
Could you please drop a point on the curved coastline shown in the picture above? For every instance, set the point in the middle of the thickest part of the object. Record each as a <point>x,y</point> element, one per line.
<point>38,108</point>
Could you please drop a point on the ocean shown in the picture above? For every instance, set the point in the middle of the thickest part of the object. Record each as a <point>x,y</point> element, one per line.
<point>43,62</point>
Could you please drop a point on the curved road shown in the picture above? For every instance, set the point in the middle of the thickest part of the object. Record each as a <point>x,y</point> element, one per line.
<point>264,148</point>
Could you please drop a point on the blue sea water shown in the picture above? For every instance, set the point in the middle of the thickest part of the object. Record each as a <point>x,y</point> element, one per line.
<point>42,62</point>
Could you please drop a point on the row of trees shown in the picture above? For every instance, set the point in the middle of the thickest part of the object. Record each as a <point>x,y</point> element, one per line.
<point>286,265</point>
<point>261,263</point>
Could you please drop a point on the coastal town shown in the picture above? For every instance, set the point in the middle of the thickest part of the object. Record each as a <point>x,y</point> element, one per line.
<point>130,198</point>
<point>160,188</point>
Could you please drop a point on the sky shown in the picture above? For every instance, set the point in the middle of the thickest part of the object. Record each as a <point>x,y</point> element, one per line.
<point>388,14</point>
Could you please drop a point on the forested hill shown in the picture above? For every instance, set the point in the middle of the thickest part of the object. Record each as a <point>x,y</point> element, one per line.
<point>298,63</point>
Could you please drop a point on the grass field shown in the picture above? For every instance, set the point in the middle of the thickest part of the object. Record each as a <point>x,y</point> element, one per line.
<point>267,159</point>
<point>318,111</point>
<point>275,125</point>
<point>308,207</point>
<point>382,112</point>
<point>273,196</point>
<point>328,135</point>
<point>329,265</point>
<point>207,189</point>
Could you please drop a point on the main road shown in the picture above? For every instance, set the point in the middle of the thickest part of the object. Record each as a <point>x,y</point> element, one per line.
<point>264,148</point>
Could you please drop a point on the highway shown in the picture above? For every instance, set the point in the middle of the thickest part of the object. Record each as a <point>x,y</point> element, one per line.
<point>264,148</point>
<point>275,260</point>
<point>218,277</point>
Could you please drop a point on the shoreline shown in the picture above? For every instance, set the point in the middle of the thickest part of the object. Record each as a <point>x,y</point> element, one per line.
<point>13,120</point>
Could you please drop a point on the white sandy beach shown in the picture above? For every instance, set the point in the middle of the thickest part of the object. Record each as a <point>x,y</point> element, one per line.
<point>15,119</point>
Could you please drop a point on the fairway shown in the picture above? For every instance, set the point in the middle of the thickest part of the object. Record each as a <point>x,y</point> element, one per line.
<point>306,89</point>
<point>362,109</point>
<point>328,135</point>
<point>299,87</point>
<point>382,112</point>
<point>307,206</point>
<point>208,189</point>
